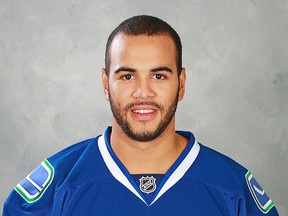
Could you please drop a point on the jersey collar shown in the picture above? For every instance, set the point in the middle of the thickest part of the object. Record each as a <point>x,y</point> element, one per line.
<point>173,175</point>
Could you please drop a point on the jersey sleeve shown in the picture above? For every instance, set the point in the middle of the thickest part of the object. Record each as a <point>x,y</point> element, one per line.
<point>256,201</point>
<point>34,194</point>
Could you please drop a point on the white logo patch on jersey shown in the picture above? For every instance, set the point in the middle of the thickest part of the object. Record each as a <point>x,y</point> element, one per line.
<point>262,200</point>
<point>147,184</point>
<point>34,185</point>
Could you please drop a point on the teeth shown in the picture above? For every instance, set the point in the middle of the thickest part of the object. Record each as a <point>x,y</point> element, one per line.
<point>143,111</point>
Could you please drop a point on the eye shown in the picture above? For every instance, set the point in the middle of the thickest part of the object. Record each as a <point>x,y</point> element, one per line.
<point>126,77</point>
<point>159,76</point>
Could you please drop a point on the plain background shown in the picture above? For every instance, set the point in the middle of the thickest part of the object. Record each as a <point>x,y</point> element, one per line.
<point>235,53</point>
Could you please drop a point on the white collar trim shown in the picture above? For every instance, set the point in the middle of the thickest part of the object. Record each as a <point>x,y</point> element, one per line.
<point>173,179</point>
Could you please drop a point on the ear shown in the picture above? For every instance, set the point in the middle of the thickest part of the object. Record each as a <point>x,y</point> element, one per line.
<point>182,82</point>
<point>105,82</point>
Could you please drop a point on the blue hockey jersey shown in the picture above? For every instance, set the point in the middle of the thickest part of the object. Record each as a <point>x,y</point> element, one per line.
<point>88,179</point>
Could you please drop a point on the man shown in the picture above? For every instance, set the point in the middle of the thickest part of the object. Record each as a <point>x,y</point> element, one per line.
<point>140,165</point>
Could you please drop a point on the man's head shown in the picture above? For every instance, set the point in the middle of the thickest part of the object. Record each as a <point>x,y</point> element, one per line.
<point>144,78</point>
<point>145,25</point>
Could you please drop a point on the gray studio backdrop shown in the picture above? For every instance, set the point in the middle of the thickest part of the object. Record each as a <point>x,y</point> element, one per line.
<point>235,53</point>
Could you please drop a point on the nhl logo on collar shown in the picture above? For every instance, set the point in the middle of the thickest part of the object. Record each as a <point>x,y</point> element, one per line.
<point>147,184</point>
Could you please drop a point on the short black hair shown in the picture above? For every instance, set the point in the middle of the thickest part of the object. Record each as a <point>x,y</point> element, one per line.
<point>145,25</point>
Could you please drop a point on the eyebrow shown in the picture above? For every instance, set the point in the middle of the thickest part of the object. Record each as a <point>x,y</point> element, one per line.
<point>162,68</point>
<point>157,69</point>
<point>127,69</point>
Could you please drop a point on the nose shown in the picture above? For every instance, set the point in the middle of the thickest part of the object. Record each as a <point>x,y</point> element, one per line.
<point>143,89</point>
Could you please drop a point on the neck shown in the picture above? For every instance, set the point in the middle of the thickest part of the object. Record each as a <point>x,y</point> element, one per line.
<point>154,157</point>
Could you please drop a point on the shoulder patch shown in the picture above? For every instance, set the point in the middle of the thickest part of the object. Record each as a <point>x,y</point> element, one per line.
<point>262,200</point>
<point>35,184</point>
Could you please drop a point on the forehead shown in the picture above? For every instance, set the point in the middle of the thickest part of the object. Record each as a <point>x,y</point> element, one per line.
<point>133,38</point>
<point>142,47</point>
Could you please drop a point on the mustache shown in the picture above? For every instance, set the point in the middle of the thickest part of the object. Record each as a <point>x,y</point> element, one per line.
<point>142,103</point>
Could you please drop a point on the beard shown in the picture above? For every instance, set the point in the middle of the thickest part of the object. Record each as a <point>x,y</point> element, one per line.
<point>145,135</point>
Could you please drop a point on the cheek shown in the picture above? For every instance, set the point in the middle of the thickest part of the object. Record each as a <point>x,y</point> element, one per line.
<point>167,98</point>
<point>116,87</point>
<point>118,94</point>
<point>168,91</point>
<point>121,93</point>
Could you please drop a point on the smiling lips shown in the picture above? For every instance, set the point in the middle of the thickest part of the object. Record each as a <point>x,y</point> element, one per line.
<point>143,113</point>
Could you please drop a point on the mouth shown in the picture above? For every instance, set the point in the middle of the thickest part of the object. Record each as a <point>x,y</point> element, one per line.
<point>143,113</point>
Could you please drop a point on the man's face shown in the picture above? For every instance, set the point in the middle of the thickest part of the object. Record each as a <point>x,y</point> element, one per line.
<point>143,86</point>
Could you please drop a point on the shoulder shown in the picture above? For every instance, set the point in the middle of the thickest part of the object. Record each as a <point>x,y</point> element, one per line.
<point>217,170</point>
<point>235,182</point>
<point>66,158</point>
<point>219,165</point>
<point>35,193</point>
<point>214,168</point>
